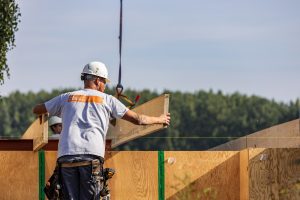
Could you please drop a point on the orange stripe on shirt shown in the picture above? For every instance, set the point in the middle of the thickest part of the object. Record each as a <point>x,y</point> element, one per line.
<point>85,99</point>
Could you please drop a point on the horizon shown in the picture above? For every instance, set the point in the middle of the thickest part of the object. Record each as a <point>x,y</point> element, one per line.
<point>158,92</point>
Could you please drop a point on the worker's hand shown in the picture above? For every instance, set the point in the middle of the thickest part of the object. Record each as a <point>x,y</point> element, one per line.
<point>39,109</point>
<point>165,119</point>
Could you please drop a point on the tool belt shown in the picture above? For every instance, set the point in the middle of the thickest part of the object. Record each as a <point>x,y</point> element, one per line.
<point>77,164</point>
<point>53,186</point>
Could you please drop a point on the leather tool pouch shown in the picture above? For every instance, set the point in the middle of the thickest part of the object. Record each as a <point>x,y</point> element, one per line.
<point>97,168</point>
<point>53,187</point>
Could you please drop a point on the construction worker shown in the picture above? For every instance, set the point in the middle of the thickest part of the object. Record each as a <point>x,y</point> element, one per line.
<point>55,124</point>
<point>85,115</point>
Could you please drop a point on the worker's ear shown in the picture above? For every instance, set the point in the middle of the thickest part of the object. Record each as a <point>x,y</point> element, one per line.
<point>97,82</point>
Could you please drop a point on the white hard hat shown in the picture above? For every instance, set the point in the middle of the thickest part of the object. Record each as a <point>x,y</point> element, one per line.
<point>97,69</point>
<point>54,120</point>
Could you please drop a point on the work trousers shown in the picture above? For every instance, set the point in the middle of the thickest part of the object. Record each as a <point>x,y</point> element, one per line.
<point>78,183</point>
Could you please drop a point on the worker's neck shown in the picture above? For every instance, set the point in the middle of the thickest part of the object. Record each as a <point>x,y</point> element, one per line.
<point>93,87</point>
<point>90,86</point>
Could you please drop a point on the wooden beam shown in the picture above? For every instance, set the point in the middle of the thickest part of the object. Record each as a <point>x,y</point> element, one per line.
<point>244,174</point>
<point>38,132</point>
<point>125,131</point>
<point>286,135</point>
<point>16,145</point>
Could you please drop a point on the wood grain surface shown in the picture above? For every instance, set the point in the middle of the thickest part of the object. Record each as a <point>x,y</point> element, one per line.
<point>244,174</point>
<point>38,132</point>
<point>50,163</point>
<point>19,175</point>
<point>136,175</point>
<point>124,131</point>
<point>286,135</point>
<point>274,174</point>
<point>202,175</point>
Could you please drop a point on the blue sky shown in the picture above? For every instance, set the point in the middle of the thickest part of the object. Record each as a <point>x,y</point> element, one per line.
<point>251,47</point>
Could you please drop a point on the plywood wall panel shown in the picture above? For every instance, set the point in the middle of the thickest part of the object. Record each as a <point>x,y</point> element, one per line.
<point>136,175</point>
<point>202,174</point>
<point>19,175</point>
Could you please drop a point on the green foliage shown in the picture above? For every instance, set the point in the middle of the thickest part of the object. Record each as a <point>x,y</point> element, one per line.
<point>199,120</point>
<point>202,120</point>
<point>16,111</point>
<point>9,19</point>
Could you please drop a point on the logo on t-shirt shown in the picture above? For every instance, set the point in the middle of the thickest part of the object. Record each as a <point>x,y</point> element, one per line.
<point>85,99</point>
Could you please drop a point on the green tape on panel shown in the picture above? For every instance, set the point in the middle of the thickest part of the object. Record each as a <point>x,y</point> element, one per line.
<point>161,175</point>
<point>41,174</point>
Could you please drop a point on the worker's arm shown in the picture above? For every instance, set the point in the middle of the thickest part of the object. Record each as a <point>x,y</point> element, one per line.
<point>39,109</point>
<point>140,119</point>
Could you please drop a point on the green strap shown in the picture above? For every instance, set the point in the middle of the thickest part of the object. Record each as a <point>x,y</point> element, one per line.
<point>41,174</point>
<point>161,175</point>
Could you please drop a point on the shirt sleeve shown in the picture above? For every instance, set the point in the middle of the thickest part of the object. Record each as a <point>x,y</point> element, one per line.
<point>118,109</point>
<point>54,106</point>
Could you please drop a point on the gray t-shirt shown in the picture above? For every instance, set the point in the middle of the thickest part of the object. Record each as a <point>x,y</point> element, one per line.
<point>85,117</point>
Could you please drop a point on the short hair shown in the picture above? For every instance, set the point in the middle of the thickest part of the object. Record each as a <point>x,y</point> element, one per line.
<point>87,77</point>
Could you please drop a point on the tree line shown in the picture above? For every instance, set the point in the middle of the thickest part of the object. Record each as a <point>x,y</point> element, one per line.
<point>9,19</point>
<point>199,120</point>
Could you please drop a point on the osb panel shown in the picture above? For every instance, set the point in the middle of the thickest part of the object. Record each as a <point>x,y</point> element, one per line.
<point>136,175</point>
<point>202,175</point>
<point>263,174</point>
<point>19,175</point>
<point>289,173</point>
<point>275,174</point>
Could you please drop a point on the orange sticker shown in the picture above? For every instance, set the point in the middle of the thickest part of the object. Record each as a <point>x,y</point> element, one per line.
<point>85,99</point>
